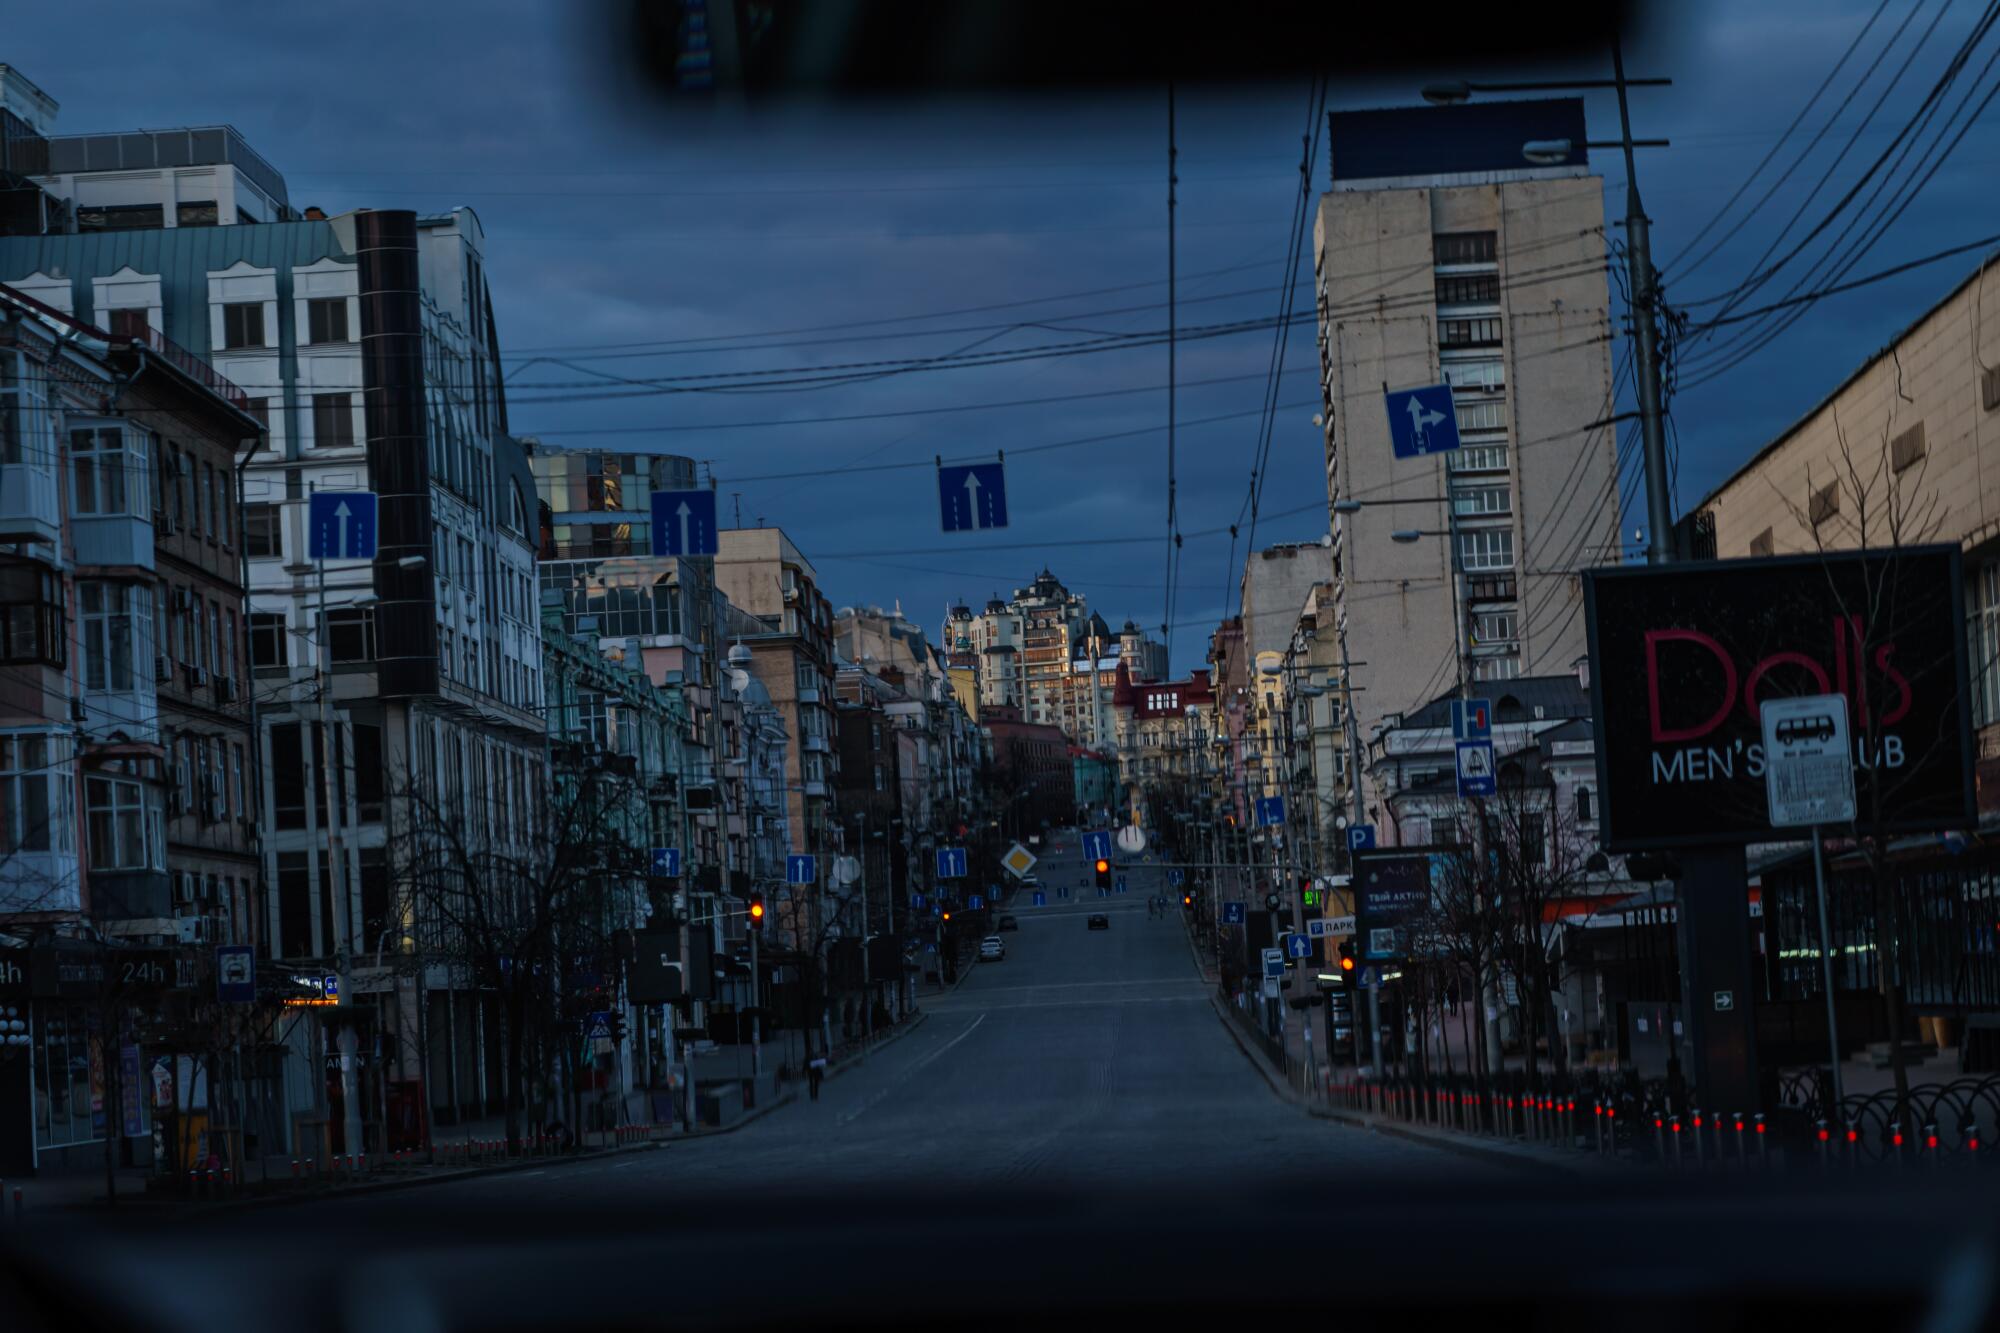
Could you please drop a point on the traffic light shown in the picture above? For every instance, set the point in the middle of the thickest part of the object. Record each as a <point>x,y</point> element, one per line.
<point>1307,893</point>
<point>1347,955</point>
<point>947,916</point>
<point>1103,869</point>
<point>757,911</point>
<point>1271,901</point>
<point>618,1026</point>
<point>1187,900</point>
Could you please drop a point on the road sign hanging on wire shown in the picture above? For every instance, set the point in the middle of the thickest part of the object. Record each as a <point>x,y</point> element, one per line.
<point>972,497</point>
<point>684,523</point>
<point>1422,421</point>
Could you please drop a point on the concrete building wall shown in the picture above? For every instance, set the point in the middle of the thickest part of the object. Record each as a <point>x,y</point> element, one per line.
<point>1536,478</point>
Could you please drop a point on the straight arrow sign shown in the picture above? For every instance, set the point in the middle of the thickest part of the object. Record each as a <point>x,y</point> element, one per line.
<point>972,497</point>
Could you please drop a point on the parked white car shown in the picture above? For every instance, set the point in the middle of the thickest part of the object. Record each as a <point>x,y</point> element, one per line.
<point>992,949</point>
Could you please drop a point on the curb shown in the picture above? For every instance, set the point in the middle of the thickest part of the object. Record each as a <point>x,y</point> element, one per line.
<point>1518,1159</point>
<point>902,1030</point>
<point>203,1211</point>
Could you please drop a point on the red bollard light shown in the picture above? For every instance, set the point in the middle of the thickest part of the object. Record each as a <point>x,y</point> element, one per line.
<point>295,1170</point>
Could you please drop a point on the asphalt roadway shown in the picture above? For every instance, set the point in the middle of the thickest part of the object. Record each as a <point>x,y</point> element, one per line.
<point>1084,1057</point>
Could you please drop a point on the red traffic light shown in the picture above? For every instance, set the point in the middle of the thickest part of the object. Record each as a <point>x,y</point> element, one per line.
<point>1347,964</point>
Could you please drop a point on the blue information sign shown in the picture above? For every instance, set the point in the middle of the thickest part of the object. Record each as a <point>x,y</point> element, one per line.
<point>1232,914</point>
<point>951,863</point>
<point>801,869</point>
<point>340,525</point>
<point>1097,846</point>
<point>1475,768</point>
<point>974,902</point>
<point>1270,810</point>
<point>1041,899</point>
<point>236,974</point>
<point>1175,876</point>
<point>972,497</point>
<point>1471,719</point>
<point>667,861</point>
<point>1422,421</point>
<point>916,902</point>
<point>684,523</point>
<point>1360,837</point>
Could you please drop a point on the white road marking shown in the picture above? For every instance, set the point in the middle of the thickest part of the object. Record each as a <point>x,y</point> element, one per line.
<point>848,1117</point>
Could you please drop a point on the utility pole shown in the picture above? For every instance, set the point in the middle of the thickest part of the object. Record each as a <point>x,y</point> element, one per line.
<point>1645,336</point>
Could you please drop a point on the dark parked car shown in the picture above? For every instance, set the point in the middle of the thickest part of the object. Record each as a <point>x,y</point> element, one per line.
<point>1099,921</point>
<point>1008,923</point>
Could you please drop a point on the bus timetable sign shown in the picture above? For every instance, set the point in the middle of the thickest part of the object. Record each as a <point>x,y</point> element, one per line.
<point>1683,657</point>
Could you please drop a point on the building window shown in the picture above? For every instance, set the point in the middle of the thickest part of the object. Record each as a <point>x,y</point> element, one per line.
<point>1481,375</point>
<point>243,324</point>
<point>261,531</point>
<point>122,819</point>
<point>1468,288</point>
<point>1464,247</point>
<point>1486,548</point>
<point>333,420</point>
<point>350,635</point>
<point>1482,332</point>
<point>1982,636</point>
<point>1584,813</point>
<point>326,320</point>
<point>110,471</point>
<point>117,627</point>
<point>268,639</point>
<point>1989,389</point>
<point>27,778</point>
<point>36,631</point>
<point>1824,503</point>
<point>1496,668</point>
<point>129,323</point>
<point>1907,447</point>
<point>1475,501</point>
<point>1486,414</point>
<point>1489,627</point>
<point>288,776</point>
<point>195,213</point>
<point>120,217</point>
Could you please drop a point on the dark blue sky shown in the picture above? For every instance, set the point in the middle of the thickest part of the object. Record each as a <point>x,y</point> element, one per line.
<point>609,222</point>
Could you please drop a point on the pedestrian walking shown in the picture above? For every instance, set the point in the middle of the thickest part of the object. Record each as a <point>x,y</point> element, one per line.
<point>815,1072</point>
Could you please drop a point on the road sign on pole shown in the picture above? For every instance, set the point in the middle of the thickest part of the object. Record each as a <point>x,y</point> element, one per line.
<point>1322,926</point>
<point>340,525</point>
<point>1422,421</point>
<point>667,861</point>
<point>1097,846</point>
<point>1019,861</point>
<point>1232,913</point>
<point>1175,877</point>
<point>1041,898</point>
<point>1274,963</point>
<point>1471,719</point>
<point>801,869</point>
<point>974,902</point>
<point>1121,884</point>
<point>236,974</point>
<point>1270,810</point>
<point>951,863</point>
<point>972,497</point>
<point>1475,769</point>
<point>1808,761</point>
<point>684,523</point>
<point>1360,837</point>
<point>1298,946</point>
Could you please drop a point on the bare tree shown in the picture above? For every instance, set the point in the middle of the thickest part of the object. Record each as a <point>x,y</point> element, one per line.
<point>520,911</point>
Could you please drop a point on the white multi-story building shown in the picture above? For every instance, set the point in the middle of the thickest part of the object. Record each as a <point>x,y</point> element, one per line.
<point>1442,255</point>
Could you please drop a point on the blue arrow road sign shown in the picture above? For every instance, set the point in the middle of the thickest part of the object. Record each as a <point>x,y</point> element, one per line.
<point>1422,421</point>
<point>916,901</point>
<point>1475,768</point>
<point>1270,810</point>
<point>1174,877</point>
<point>1360,837</point>
<point>972,497</point>
<point>801,869</point>
<point>667,861</point>
<point>1097,846</point>
<point>1232,914</point>
<point>342,525</point>
<point>1062,891</point>
<point>951,863</point>
<point>1121,884</point>
<point>1041,899</point>
<point>974,902</point>
<point>1298,946</point>
<point>1471,719</point>
<point>684,523</point>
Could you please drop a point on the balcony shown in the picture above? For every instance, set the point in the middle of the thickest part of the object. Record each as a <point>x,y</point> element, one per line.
<point>30,505</point>
<point>809,694</point>
<point>817,745</point>
<point>121,540</point>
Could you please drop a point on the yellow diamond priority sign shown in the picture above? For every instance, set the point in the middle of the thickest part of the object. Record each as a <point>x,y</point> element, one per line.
<point>1019,860</point>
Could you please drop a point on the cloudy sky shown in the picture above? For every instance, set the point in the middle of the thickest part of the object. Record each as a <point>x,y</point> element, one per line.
<point>629,242</point>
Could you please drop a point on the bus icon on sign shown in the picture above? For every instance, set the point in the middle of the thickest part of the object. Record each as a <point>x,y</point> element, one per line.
<point>1812,727</point>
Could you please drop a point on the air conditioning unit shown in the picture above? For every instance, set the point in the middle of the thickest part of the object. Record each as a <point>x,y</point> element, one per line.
<point>212,810</point>
<point>163,669</point>
<point>196,676</point>
<point>198,930</point>
<point>225,688</point>
<point>184,886</point>
<point>167,525</point>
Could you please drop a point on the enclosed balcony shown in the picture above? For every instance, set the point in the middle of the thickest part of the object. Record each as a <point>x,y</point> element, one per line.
<point>110,466</point>
<point>29,501</point>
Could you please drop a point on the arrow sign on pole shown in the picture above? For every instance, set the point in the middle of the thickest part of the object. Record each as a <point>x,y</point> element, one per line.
<point>341,525</point>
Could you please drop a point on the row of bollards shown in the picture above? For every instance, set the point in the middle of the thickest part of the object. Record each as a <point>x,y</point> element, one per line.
<point>1902,1147</point>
